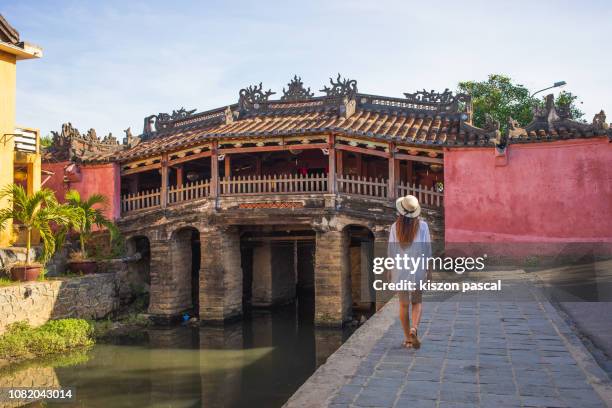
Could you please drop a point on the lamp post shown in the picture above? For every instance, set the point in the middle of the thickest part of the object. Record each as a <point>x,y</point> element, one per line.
<point>555,85</point>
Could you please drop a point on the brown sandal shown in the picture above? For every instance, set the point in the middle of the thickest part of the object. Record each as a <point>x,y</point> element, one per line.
<point>407,343</point>
<point>414,339</point>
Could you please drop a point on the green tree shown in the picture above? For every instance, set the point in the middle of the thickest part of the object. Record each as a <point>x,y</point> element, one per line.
<point>499,97</point>
<point>46,141</point>
<point>90,212</point>
<point>37,212</point>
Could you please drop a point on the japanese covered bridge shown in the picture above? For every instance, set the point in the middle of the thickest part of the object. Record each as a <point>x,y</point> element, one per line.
<point>252,202</point>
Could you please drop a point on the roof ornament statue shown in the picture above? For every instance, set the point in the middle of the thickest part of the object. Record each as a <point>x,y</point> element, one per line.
<point>599,121</point>
<point>548,112</point>
<point>296,91</point>
<point>423,96</point>
<point>341,87</point>
<point>252,96</point>
<point>130,140</point>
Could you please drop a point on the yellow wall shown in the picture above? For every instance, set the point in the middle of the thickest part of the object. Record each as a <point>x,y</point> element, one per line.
<point>7,126</point>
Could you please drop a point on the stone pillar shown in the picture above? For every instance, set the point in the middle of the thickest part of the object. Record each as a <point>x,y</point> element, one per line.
<point>273,274</point>
<point>332,279</point>
<point>159,296</point>
<point>220,274</point>
<point>170,292</point>
<point>381,239</point>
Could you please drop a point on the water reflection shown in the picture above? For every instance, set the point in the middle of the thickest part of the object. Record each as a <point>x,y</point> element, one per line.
<point>260,361</point>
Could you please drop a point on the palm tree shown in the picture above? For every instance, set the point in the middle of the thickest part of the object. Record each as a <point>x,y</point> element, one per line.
<point>39,211</point>
<point>88,216</point>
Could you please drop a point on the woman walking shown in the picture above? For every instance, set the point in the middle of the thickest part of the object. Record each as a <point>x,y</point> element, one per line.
<point>409,236</point>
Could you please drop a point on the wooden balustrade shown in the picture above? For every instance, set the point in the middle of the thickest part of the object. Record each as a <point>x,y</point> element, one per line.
<point>365,186</point>
<point>274,184</point>
<point>428,196</point>
<point>139,201</point>
<point>279,184</point>
<point>189,192</point>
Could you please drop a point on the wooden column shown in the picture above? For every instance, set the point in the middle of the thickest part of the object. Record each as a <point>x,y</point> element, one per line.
<point>258,165</point>
<point>331,172</point>
<point>214,169</point>
<point>358,164</point>
<point>164,181</point>
<point>179,175</point>
<point>409,171</point>
<point>393,172</point>
<point>228,166</point>
<point>339,162</point>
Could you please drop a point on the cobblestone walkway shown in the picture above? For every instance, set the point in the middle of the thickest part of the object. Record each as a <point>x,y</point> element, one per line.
<point>486,353</point>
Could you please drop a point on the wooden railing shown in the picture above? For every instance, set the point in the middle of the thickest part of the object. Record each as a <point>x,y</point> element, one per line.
<point>364,186</point>
<point>428,196</point>
<point>189,192</point>
<point>140,201</point>
<point>282,184</point>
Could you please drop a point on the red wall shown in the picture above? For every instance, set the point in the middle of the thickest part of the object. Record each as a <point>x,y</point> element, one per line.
<point>95,178</point>
<point>546,192</point>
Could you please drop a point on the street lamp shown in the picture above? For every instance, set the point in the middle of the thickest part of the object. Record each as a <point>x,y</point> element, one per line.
<point>555,85</point>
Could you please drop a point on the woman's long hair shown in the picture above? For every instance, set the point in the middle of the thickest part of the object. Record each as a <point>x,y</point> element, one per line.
<point>407,229</point>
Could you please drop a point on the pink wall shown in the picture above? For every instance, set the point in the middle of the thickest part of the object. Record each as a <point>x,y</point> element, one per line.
<point>95,178</point>
<point>547,192</point>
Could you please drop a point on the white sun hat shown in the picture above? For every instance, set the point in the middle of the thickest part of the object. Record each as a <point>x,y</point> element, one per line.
<point>408,206</point>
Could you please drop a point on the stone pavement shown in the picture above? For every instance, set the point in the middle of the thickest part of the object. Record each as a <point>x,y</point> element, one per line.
<point>475,353</point>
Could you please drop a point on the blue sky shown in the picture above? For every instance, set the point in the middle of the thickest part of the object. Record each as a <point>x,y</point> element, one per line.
<point>107,64</point>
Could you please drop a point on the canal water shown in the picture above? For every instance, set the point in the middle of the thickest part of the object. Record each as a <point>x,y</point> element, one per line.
<point>258,362</point>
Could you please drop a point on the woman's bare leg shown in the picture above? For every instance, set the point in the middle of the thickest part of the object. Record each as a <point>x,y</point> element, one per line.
<point>404,315</point>
<point>417,309</point>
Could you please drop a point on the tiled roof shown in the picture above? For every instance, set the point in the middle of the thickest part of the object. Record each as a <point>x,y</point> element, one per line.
<point>417,128</point>
<point>422,118</point>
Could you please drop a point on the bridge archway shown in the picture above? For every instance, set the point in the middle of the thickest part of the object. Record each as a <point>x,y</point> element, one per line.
<point>139,265</point>
<point>185,253</point>
<point>359,257</point>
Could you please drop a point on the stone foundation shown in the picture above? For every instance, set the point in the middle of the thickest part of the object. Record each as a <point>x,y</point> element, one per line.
<point>88,297</point>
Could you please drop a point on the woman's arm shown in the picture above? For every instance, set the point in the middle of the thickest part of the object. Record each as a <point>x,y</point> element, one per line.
<point>427,240</point>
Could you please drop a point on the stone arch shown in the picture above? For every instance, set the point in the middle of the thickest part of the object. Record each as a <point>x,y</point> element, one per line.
<point>359,255</point>
<point>185,254</point>
<point>138,274</point>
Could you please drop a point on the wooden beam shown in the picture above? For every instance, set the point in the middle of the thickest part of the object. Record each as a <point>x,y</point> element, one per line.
<point>286,238</point>
<point>214,169</point>
<point>331,171</point>
<point>362,150</point>
<point>141,169</point>
<point>189,158</point>
<point>164,181</point>
<point>424,159</point>
<point>255,149</point>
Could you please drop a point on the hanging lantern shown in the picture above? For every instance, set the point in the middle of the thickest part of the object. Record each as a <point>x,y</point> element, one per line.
<point>192,176</point>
